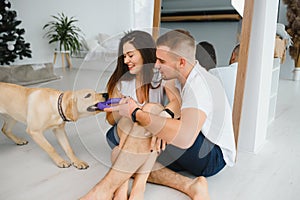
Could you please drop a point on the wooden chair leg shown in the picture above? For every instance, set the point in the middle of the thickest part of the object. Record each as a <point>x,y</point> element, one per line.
<point>63,61</point>
<point>68,60</point>
<point>54,59</point>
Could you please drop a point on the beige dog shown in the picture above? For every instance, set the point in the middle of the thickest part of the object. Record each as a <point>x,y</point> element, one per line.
<point>45,108</point>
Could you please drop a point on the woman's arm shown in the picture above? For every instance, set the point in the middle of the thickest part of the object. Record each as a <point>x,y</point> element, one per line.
<point>114,117</point>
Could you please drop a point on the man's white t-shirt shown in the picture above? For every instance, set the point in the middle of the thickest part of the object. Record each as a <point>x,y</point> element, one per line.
<point>205,92</point>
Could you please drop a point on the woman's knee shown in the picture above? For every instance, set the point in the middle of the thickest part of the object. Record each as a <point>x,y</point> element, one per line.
<point>124,126</point>
<point>153,108</point>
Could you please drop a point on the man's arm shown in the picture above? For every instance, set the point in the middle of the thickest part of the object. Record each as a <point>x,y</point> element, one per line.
<point>181,133</point>
<point>174,98</point>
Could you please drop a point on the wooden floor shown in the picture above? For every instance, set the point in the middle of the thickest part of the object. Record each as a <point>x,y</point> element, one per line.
<point>27,173</point>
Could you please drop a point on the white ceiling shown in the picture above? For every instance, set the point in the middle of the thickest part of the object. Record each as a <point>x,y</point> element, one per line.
<point>169,6</point>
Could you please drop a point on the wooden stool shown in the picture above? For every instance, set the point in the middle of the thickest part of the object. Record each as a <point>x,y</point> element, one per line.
<point>63,55</point>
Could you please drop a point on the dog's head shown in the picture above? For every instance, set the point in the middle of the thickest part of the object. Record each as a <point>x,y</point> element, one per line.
<point>82,103</point>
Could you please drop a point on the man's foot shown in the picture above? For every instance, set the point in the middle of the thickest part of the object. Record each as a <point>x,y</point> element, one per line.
<point>198,190</point>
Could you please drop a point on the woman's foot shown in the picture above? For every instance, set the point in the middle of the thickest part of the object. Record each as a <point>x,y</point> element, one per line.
<point>121,192</point>
<point>95,195</point>
<point>137,192</point>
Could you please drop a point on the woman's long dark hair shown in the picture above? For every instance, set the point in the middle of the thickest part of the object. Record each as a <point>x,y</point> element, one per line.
<point>144,43</point>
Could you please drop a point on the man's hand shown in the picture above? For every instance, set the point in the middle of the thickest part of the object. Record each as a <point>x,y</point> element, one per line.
<point>158,144</point>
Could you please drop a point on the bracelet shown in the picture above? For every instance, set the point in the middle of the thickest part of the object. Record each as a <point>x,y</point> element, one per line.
<point>133,114</point>
<point>169,112</point>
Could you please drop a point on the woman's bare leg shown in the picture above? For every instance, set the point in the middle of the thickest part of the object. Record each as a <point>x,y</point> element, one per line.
<point>133,155</point>
<point>121,192</point>
<point>140,179</point>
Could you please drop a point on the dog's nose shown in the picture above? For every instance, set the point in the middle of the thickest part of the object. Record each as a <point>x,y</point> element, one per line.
<point>105,95</point>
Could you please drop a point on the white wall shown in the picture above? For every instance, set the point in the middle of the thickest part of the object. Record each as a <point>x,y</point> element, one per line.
<point>95,16</point>
<point>222,35</point>
<point>115,16</point>
<point>255,110</point>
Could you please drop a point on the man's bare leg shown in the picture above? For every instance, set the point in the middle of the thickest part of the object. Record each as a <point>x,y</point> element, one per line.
<point>196,189</point>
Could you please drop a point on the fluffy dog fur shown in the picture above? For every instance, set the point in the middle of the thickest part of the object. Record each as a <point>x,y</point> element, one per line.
<point>38,108</point>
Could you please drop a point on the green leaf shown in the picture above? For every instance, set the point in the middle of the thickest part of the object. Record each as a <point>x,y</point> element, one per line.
<point>63,30</point>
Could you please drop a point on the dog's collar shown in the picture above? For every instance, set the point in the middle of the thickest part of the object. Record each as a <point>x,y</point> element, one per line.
<point>61,113</point>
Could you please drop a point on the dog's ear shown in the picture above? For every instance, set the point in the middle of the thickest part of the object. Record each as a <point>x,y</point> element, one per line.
<point>71,109</point>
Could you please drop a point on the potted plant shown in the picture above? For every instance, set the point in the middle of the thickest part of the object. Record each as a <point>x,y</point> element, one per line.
<point>64,31</point>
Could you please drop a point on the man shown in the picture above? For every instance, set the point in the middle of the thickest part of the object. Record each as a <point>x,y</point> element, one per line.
<point>201,141</point>
<point>227,75</point>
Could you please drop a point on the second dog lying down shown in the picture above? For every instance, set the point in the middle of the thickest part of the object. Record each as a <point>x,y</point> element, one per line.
<point>45,108</point>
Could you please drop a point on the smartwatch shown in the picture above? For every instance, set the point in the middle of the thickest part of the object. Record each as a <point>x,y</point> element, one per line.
<point>133,114</point>
<point>169,112</point>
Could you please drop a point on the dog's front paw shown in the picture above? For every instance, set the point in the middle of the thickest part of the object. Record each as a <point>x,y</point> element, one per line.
<point>80,164</point>
<point>21,141</point>
<point>63,164</point>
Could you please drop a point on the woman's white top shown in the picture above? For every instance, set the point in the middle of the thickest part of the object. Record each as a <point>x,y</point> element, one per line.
<point>128,88</point>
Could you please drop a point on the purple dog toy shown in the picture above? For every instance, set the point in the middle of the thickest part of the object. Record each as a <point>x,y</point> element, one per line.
<point>106,104</point>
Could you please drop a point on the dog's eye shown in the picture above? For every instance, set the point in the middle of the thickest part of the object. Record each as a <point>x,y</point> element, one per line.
<point>88,95</point>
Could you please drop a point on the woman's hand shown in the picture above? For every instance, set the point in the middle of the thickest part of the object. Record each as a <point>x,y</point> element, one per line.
<point>125,107</point>
<point>157,144</point>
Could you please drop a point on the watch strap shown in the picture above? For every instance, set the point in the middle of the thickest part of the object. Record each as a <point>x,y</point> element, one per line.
<point>133,114</point>
<point>169,112</point>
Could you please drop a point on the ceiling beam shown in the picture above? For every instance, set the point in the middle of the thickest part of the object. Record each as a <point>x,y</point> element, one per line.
<point>214,17</point>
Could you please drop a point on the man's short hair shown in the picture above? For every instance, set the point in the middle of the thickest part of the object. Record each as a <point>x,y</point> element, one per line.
<point>180,42</point>
<point>174,38</point>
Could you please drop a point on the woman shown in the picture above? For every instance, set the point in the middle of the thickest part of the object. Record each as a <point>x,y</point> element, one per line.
<point>134,76</point>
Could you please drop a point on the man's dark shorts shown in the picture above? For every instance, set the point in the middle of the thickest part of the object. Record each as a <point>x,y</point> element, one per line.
<point>203,158</point>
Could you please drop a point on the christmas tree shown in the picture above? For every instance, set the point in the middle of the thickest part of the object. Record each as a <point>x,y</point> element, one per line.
<point>12,44</point>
